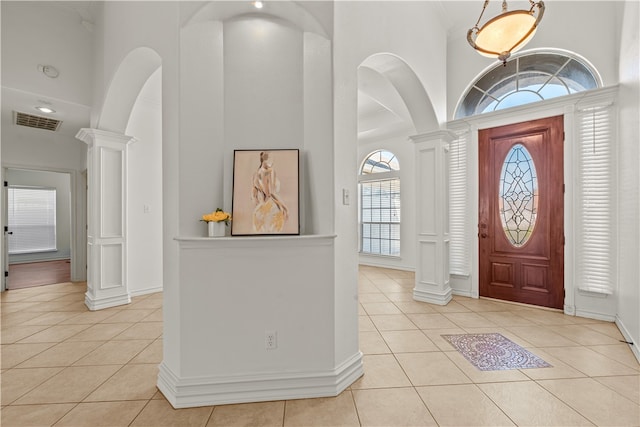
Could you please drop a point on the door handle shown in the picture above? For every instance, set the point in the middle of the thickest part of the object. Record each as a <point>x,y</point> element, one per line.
<point>484,235</point>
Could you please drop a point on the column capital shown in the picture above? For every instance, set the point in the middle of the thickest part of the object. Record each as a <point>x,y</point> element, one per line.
<point>438,135</point>
<point>92,136</point>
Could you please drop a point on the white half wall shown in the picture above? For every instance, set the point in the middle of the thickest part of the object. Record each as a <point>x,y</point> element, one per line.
<point>234,293</point>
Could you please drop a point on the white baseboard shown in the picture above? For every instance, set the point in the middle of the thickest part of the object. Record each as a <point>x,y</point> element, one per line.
<point>462,293</point>
<point>596,316</point>
<point>438,298</point>
<point>382,264</point>
<point>94,304</point>
<point>146,291</point>
<point>627,336</point>
<point>220,390</point>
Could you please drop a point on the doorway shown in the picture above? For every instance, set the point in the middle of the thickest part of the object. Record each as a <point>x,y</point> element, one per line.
<point>521,212</point>
<point>38,228</point>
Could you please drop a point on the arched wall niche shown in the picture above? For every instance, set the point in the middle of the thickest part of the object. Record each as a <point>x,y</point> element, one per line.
<point>254,81</point>
<point>127,82</point>
<point>260,82</point>
<point>285,10</point>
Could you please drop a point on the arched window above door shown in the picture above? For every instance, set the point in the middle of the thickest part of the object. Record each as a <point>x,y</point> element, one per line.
<point>528,77</point>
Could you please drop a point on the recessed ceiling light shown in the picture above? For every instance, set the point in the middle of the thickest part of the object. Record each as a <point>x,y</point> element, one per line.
<point>45,110</point>
<point>258,4</point>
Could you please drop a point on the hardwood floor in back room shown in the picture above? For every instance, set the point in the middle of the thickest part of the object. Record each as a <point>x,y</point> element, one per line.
<point>32,274</point>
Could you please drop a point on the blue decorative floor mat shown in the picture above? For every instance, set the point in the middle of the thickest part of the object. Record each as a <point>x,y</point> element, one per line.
<point>494,352</point>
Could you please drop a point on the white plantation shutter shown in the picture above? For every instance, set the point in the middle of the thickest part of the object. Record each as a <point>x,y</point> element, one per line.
<point>458,234</point>
<point>596,136</point>
<point>380,216</point>
<point>32,219</point>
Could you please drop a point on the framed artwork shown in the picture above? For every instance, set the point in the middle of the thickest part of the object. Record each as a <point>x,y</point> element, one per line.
<point>266,197</point>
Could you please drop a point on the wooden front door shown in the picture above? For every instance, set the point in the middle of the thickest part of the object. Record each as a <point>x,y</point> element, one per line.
<point>521,212</point>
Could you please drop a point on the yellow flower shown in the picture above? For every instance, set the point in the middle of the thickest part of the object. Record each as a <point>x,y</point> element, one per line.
<point>218,216</point>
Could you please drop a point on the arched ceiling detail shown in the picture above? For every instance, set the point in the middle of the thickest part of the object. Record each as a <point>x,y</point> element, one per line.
<point>391,98</point>
<point>128,80</point>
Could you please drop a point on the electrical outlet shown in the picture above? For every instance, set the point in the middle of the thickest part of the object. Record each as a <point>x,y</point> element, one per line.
<point>270,340</point>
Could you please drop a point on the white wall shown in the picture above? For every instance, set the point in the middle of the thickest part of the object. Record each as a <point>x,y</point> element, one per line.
<point>144,191</point>
<point>410,30</point>
<point>202,125</point>
<point>40,149</point>
<point>404,150</point>
<point>629,177</point>
<point>62,183</point>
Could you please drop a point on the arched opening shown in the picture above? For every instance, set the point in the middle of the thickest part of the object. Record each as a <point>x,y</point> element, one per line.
<point>129,78</point>
<point>125,185</point>
<point>392,106</point>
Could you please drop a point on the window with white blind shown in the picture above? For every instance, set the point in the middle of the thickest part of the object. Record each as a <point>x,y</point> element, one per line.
<point>595,135</point>
<point>458,232</point>
<point>379,182</point>
<point>31,219</point>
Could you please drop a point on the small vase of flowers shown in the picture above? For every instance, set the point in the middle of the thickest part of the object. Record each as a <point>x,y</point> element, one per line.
<point>216,222</point>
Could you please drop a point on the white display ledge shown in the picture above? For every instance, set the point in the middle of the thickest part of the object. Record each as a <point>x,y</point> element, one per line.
<point>308,239</point>
<point>233,292</point>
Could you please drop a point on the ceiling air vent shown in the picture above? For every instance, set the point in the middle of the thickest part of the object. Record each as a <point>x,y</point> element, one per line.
<point>38,122</point>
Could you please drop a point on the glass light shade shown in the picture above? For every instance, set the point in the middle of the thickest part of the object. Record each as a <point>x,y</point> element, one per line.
<point>508,32</point>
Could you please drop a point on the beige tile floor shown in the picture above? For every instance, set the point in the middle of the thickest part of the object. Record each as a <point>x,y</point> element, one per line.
<point>65,366</point>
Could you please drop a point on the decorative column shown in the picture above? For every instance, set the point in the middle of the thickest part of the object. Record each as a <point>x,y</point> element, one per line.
<point>432,201</point>
<point>106,213</point>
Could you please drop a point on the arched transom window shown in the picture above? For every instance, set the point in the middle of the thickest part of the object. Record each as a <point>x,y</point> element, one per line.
<point>379,182</point>
<point>527,78</point>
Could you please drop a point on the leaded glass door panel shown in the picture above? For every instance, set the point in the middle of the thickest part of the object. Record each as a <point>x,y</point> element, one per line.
<point>520,227</point>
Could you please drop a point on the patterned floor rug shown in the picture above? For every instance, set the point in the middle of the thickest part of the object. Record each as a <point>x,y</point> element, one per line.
<point>494,352</point>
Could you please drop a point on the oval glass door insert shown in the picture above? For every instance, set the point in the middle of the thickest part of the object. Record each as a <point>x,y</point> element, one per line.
<point>518,195</point>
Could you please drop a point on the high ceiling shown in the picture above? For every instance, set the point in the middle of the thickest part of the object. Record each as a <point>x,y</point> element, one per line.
<point>47,61</point>
<point>61,34</point>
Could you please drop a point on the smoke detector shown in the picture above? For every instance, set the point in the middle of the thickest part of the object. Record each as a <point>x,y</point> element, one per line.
<point>49,71</point>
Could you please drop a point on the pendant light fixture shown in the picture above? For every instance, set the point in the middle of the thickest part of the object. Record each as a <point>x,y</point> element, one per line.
<point>506,33</point>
